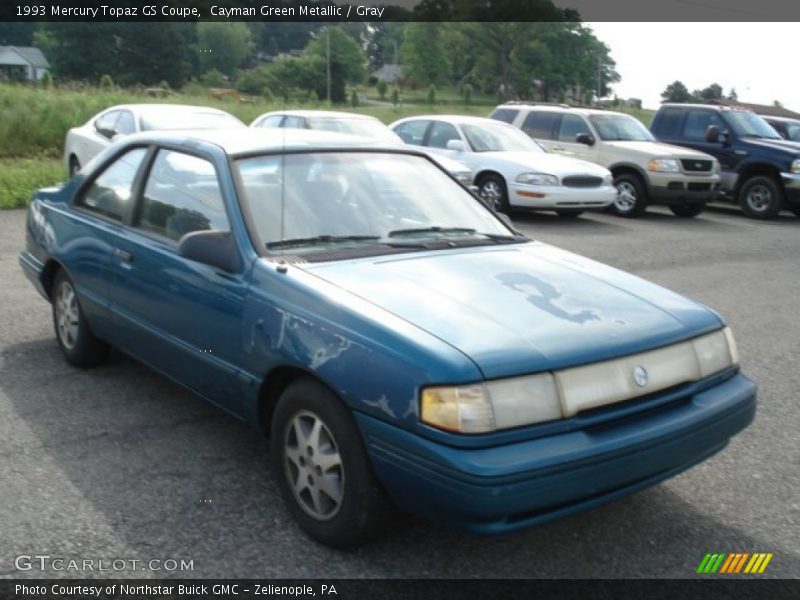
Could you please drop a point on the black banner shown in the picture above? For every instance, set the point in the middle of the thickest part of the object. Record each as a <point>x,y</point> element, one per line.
<point>404,589</point>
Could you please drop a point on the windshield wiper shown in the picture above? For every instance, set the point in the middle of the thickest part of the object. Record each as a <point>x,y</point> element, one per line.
<point>465,231</point>
<point>320,239</point>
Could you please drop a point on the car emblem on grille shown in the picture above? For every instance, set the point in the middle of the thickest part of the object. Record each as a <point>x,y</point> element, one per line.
<point>698,165</point>
<point>640,376</point>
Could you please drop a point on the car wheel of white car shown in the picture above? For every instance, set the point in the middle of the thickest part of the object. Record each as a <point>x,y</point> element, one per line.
<point>492,189</point>
<point>631,200</point>
<point>322,468</point>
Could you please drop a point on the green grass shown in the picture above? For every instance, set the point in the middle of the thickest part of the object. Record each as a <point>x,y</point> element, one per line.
<point>20,177</point>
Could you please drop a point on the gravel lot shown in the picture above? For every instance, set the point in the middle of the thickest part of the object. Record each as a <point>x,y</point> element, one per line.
<point>119,463</point>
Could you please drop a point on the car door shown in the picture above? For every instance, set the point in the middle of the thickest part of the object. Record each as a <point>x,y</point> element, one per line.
<point>569,128</point>
<point>696,125</point>
<point>180,316</point>
<point>100,207</point>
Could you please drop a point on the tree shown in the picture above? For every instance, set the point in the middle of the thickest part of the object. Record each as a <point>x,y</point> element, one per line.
<point>140,64</point>
<point>347,58</point>
<point>712,92</point>
<point>425,59</point>
<point>676,92</point>
<point>223,45</point>
<point>733,96</point>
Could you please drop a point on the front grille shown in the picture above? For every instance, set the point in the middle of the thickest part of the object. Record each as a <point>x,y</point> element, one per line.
<point>582,181</point>
<point>696,165</point>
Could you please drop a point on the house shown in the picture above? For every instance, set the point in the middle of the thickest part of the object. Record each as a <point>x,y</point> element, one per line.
<point>766,110</point>
<point>389,73</point>
<point>20,62</point>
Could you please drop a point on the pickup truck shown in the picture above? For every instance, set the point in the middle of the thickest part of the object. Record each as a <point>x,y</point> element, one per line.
<point>760,170</point>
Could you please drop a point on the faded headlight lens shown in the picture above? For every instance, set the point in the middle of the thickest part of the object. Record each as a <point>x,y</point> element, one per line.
<point>664,165</point>
<point>537,179</point>
<point>795,168</point>
<point>463,409</point>
<point>716,352</point>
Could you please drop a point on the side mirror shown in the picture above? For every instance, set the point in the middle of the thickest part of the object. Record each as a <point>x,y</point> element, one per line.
<point>214,248</point>
<point>585,138</point>
<point>456,145</point>
<point>712,134</point>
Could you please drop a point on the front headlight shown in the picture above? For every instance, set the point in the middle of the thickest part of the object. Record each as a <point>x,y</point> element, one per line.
<point>537,179</point>
<point>795,168</point>
<point>517,401</point>
<point>664,165</point>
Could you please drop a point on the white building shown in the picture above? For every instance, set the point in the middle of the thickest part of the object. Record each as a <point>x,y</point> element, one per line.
<point>22,62</point>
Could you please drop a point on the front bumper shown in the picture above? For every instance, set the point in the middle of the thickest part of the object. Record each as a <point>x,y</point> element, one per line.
<point>791,184</point>
<point>509,487</point>
<point>553,197</point>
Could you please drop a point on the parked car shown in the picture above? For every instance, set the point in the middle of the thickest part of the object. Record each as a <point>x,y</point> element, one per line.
<point>355,124</point>
<point>511,170</point>
<point>84,142</point>
<point>399,341</point>
<point>760,170</point>
<point>788,129</point>
<point>645,172</point>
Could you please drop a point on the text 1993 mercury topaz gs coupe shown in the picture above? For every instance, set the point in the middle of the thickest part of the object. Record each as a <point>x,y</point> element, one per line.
<point>398,340</point>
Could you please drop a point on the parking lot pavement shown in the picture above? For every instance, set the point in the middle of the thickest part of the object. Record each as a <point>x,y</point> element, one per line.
<point>120,463</point>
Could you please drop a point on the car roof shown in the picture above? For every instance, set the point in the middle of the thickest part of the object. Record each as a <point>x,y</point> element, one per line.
<point>719,107</point>
<point>581,110</point>
<point>330,114</point>
<point>453,119</point>
<point>236,141</point>
<point>165,108</point>
<point>780,119</point>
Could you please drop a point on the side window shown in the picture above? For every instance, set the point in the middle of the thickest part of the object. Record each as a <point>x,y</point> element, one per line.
<point>294,122</point>
<point>668,123</point>
<point>273,121</point>
<point>540,124</point>
<point>571,127</point>
<point>441,133</point>
<point>697,122</point>
<point>110,194</point>
<point>105,125</point>
<point>506,115</point>
<point>182,195</point>
<point>126,124</point>
<point>412,132</point>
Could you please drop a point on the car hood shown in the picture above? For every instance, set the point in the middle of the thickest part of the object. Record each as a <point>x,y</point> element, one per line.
<point>792,148</point>
<point>554,164</point>
<point>522,308</point>
<point>657,149</point>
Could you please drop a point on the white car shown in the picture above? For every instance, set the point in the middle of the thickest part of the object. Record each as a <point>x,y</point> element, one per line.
<point>355,124</point>
<point>511,170</point>
<point>84,142</point>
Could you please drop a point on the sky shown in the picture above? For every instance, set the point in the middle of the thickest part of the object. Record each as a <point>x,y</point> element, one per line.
<point>757,59</point>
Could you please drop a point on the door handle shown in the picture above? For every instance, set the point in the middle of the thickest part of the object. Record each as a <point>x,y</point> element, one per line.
<point>123,255</point>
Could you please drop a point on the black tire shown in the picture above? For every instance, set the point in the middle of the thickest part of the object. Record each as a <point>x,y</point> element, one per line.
<point>632,196</point>
<point>74,165</point>
<point>761,197</point>
<point>687,211</point>
<point>74,335</point>
<point>492,188</point>
<point>362,511</point>
<point>569,214</point>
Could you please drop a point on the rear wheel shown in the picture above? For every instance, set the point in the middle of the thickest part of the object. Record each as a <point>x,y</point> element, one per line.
<point>569,214</point>
<point>322,468</point>
<point>686,210</point>
<point>75,338</point>
<point>492,188</point>
<point>632,198</point>
<point>760,197</point>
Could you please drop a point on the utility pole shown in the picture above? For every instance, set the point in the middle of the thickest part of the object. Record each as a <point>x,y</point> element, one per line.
<point>599,78</point>
<point>328,52</point>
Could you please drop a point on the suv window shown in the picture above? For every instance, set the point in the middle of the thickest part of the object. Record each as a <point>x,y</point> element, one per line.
<point>506,115</point>
<point>571,127</point>
<point>412,132</point>
<point>182,195</point>
<point>110,193</point>
<point>668,122</point>
<point>441,133</point>
<point>541,124</point>
<point>697,122</point>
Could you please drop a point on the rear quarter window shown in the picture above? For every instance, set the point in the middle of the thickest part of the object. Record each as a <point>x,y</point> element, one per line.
<point>541,124</point>
<point>110,193</point>
<point>506,115</point>
<point>668,123</point>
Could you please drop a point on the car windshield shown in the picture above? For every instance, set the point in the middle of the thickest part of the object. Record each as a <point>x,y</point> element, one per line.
<point>498,137</point>
<point>372,202</point>
<point>364,127</point>
<point>748,124</point>
<point>620,128</point>
<point>189,120</point>
<point>793,131</point>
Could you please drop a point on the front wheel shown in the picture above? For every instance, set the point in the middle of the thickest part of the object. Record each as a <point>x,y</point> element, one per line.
<point>761,197</point>
<point>632,198</point>
<point>322,468</point>
<point>686,210</point>
<point>75,338</point>
<point>492,188</point>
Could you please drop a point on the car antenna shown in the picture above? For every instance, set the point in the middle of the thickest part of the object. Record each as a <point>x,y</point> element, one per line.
<point>282,268</point>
